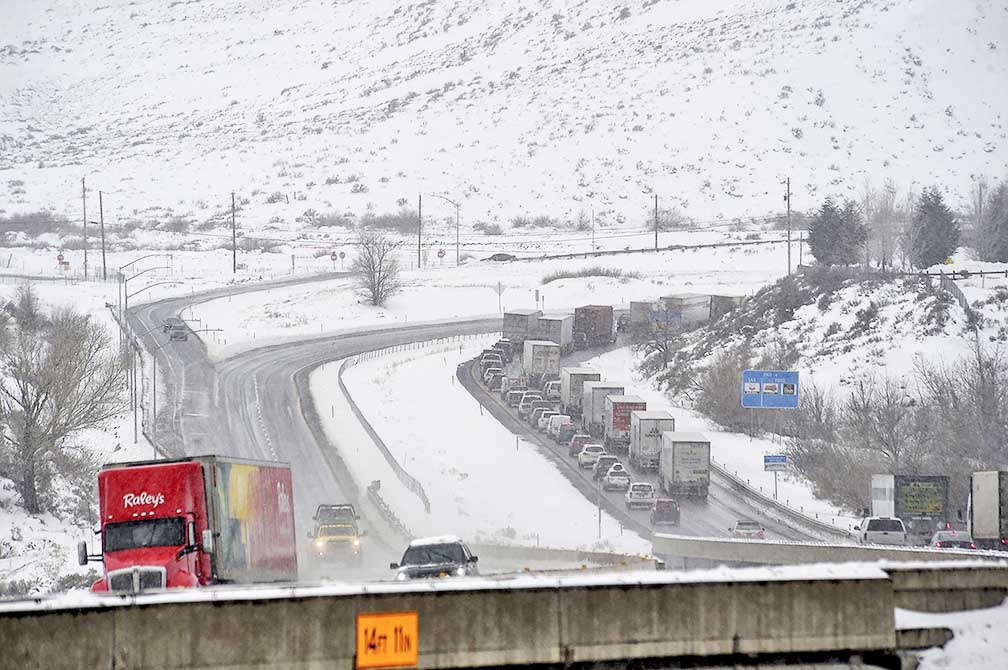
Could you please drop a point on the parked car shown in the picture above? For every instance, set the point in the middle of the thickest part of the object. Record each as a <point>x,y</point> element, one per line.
<point>665,511</point>
<point>950,539</point>
<point>589,454</point>
<point>602,465</point>
<point>556,423</point>
<point>881,530</point>
<point>501,258</point>
<point>544,405</point>
<point>445,556</point>
<point>543,423</point>
<point>527,399</point>
<point>640,494</point>
<point>514,396</point>
<point>577,443</point>
<point>748,529</point>
<point>616,479</point>
<point>537,411</point>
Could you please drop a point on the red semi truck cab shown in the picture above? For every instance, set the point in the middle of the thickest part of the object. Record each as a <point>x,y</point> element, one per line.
<point>194,522</point>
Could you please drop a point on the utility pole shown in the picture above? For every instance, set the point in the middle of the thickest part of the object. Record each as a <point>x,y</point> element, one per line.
<point>593,230</point>
<point>456,235</point>
<point>787,198</point>
<point>101,223</point>
<point>84,200</point>
<point>656,222</point>
<point>419,226</point>
<point>234,238</point>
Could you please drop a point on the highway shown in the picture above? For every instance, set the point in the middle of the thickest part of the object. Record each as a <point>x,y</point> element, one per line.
<point>706,518</point>
<point>256,404</point>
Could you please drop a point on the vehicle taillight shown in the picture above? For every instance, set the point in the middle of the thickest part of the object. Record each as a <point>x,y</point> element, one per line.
<point>759,534</point>
<point>972,545</point>
<point>938,544</point>
<point>1004,541</point>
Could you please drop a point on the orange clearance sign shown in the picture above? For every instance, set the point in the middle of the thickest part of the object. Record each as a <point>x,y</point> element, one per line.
<point>387,639</point>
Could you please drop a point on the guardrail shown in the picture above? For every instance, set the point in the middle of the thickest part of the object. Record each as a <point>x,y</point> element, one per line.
<point>783,552</point>
<point>644,250</point>
<point>794,515</point>
<point>408,480</point>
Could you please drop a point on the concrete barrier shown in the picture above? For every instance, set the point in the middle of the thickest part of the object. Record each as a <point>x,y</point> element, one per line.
<point>947,588</point>
<point>759,612</point>
<point>778,552</point>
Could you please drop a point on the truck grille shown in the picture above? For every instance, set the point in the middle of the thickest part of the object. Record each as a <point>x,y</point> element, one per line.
<point>136,579</point>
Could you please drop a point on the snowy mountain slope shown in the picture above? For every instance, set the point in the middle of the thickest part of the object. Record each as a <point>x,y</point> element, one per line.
<point>555,107</point>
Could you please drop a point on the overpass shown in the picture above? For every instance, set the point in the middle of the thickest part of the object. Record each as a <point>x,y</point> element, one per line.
<point>830,612</point>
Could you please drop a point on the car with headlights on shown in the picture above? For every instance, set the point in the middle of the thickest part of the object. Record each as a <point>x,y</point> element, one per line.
<point>337,542</point>
<point>434,557</point>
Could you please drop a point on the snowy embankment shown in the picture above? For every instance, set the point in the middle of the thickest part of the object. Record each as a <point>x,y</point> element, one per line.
<point>38,552</point>
<point>483,483</point>
<point>737,453</point>
<point>978,639</point>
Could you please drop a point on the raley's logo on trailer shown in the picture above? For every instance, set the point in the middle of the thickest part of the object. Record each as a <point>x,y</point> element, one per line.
<point>143,498</point>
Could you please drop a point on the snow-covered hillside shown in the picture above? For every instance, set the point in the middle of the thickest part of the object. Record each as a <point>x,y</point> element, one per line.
<point>554,108</point>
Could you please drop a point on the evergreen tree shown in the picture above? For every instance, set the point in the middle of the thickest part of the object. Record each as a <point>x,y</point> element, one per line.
<point>935,230</point>
<point>993,234</point>
<point>837,235</point>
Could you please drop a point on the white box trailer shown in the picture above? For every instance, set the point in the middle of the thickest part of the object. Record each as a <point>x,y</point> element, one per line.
<point>539,358</point>
<point>572,381</point>
<point>987,509</point>
<point>593,395</point>
<point>520,325</point>
<point>558,328</point>
<point>684,467</point>
<point>646,430</point>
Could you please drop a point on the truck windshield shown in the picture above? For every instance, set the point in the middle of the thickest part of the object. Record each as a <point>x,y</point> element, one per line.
<point>168,532</point>
<point>433,553</point>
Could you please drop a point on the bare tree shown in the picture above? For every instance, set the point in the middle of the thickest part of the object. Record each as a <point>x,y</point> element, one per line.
<point>883,224</point>
<point>881,416</point>
<point>56,378</point>
<point>375,268</point>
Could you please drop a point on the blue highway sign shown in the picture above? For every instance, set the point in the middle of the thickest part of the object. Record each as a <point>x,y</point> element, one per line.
<point>776,389</point>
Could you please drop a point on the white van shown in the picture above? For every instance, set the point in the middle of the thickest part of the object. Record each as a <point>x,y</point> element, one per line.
<point>557,422</point>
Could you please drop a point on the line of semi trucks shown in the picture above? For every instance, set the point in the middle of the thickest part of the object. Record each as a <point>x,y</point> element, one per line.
<point>567,402</point>
<point>575,398</point>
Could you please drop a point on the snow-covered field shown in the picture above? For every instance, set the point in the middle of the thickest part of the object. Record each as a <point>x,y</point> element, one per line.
<point>310,108</point>
<point>978,637</point>
<point>471,291</point>
<point>483,483</point>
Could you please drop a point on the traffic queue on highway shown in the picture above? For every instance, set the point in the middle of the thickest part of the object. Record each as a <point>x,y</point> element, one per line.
<point>599,424</point>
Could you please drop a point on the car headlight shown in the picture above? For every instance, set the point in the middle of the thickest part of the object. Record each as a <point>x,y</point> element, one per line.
<point>460,572</point>
<point>319,544</point>
<point>401,576</point>
<point>356,542</point>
